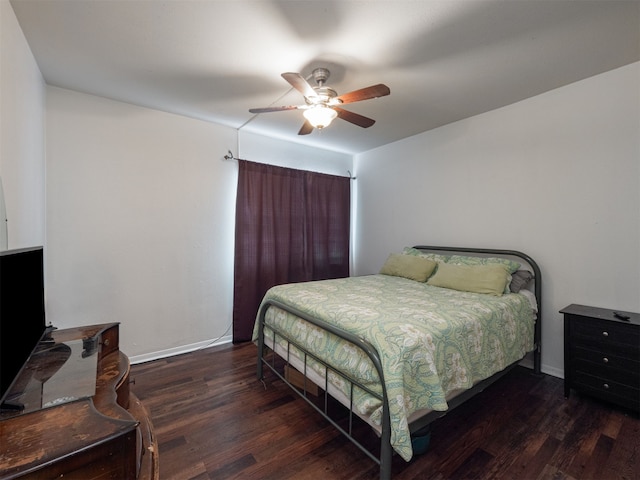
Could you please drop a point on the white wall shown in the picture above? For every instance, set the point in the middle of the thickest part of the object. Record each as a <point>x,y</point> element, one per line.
<point>22,164</point>
<point>140,215</point>
<point>140,219</point>
<point>556,176</point>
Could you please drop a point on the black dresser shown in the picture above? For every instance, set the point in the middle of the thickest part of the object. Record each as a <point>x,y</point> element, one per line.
<point>602,354</point>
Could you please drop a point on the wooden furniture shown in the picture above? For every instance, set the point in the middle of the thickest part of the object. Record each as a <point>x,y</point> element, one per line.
<point>602,354</point>
<point>79,421</point>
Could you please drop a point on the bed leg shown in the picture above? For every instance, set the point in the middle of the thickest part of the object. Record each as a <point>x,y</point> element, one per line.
<point>386,450</point>
<point>259,366</point>
<point>385,461</point>
<point>537,361</point>
<point>259,374</point>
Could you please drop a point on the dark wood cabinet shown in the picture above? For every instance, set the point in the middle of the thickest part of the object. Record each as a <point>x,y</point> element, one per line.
<point>79,419</point>
<point>602,354</point>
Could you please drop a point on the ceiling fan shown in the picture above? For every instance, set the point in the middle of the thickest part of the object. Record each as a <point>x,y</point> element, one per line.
<point>322,103</point>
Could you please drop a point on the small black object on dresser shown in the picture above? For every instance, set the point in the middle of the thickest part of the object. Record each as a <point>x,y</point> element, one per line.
<point>602,354</point>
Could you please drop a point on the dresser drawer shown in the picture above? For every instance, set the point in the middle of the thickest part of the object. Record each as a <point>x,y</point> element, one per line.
<point>609,390</point>
<point>606,336</point>
<point>587,358</point>
<point>606,372</point>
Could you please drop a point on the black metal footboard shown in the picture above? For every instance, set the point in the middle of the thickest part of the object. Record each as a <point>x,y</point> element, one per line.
<point>386,451</point>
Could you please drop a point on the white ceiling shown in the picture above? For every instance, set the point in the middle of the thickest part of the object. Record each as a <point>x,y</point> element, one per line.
<point>215,59</point>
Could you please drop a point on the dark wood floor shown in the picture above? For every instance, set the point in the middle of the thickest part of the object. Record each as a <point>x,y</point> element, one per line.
<point>214,420</point>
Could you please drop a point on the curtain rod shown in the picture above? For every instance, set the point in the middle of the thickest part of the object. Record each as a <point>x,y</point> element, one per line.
<point>229,156</point>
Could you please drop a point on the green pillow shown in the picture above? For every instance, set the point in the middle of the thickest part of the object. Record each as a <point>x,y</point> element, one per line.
<point>408,266</point>
<point>465,260</point>
<point>436,257</point>
<point>491,279</point>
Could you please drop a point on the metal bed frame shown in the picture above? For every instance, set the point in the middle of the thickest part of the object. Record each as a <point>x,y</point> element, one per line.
<point>419,425</point>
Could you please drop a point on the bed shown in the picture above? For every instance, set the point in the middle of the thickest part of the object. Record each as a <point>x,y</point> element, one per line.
<point>401,348</point>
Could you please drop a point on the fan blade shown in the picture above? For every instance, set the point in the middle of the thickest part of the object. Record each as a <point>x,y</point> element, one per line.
<point>366,93</point>
<point>354,118</point>
<point>306,128</point>
<point>298,82</point>
<point>275,109</point>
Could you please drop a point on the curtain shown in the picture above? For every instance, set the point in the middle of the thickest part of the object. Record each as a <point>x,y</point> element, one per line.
<point>291,226</point>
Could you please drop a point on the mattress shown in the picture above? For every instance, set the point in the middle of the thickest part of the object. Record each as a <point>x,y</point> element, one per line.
<point>432,341</point>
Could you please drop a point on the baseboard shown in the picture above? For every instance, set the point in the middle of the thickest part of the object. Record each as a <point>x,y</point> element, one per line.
<point>554,372</point>
<point>147,357</point>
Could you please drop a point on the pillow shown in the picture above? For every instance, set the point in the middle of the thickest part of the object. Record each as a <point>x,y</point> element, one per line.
<point>408,266</point>
<point>436,257</point>
<point>491,279</point>
<point>520,280</point>
<point>510,265</point>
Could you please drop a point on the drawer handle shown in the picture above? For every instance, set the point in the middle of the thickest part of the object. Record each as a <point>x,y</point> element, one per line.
<point>606,386</point>
<point>605,334</point>
<point>605,360</point>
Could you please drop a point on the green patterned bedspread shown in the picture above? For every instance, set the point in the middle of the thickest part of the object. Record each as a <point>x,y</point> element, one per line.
<point>431,340</point>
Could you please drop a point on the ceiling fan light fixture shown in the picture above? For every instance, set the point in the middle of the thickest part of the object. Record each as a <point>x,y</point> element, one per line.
<point>323,103</point>
<point>320,116</point>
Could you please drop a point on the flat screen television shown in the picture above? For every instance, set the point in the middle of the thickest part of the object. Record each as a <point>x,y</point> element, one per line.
<point>22,312</point>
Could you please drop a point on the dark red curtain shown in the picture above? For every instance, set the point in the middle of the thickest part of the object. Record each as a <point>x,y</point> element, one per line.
<point>291,226</point>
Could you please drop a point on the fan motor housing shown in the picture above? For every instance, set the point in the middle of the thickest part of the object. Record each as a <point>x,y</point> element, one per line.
<point>321,75</point>
<point>323,95</point>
